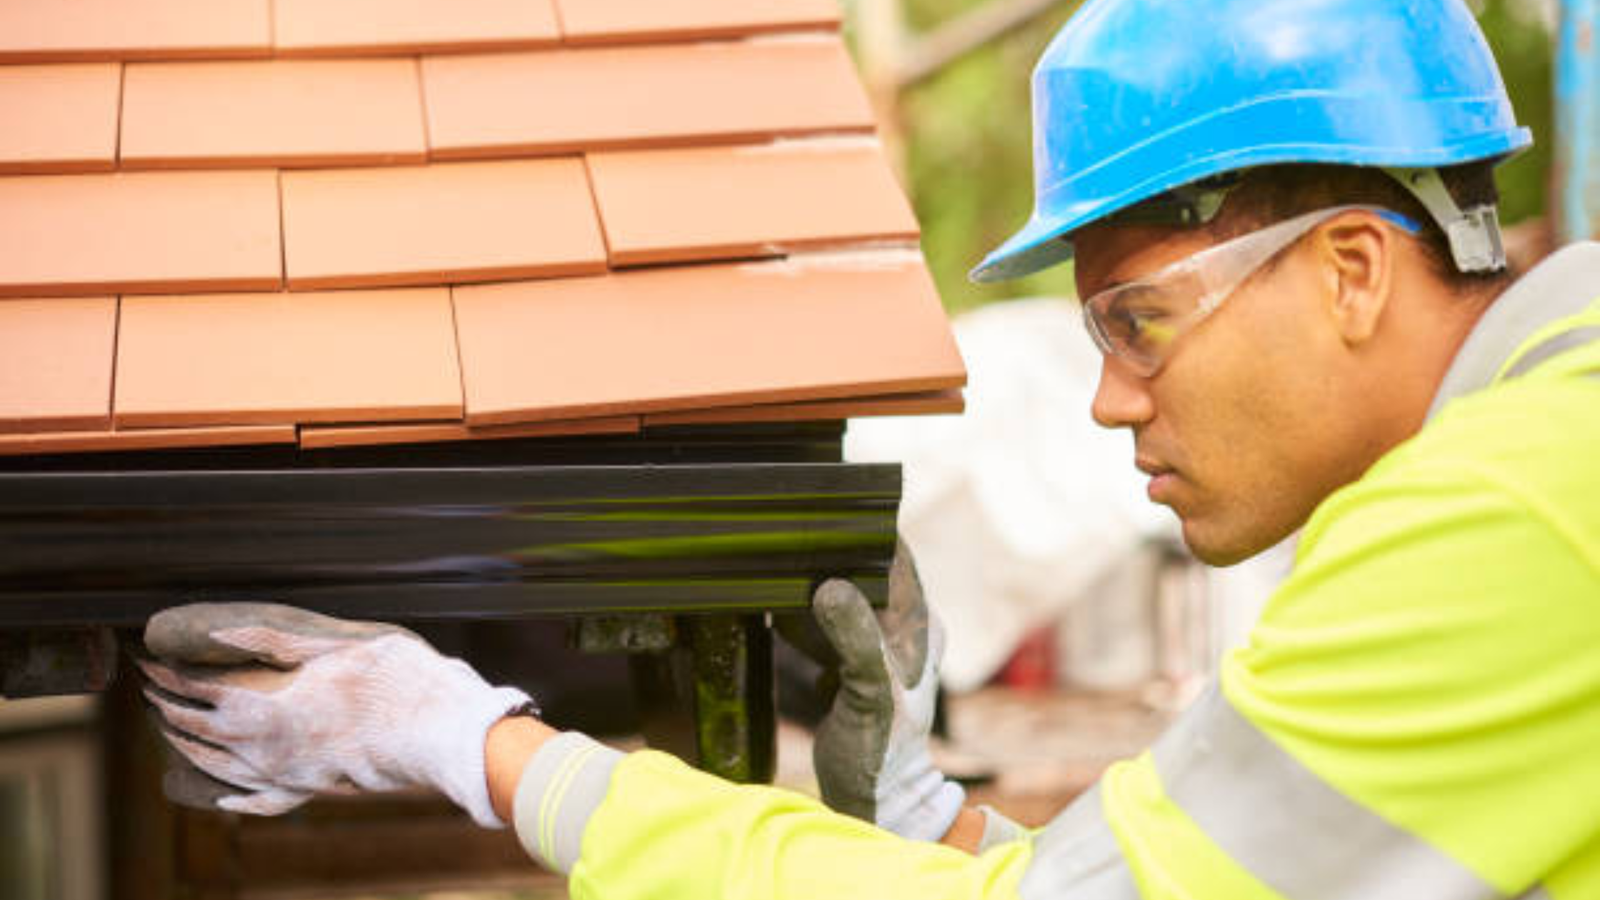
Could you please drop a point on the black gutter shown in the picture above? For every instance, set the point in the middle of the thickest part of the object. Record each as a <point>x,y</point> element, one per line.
<point>461,542</point>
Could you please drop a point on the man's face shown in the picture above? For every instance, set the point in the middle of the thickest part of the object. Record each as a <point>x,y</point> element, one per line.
<point>1254,419</point>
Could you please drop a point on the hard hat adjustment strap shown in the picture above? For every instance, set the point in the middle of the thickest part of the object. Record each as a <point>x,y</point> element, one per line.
<point>1474,233</point>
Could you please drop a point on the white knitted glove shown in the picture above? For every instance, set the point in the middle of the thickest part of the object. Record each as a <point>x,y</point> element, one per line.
<point>871,752</point>
<point>284,704</point>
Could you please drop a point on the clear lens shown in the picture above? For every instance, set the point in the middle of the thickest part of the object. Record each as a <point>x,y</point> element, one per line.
<point>1139,322</point>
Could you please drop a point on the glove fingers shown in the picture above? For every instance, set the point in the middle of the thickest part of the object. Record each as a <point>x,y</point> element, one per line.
<point>905,619</point>
<point>848,622</point>
<point>198,722</point>
<point>193,687</point>
<point>216,762</point>
<point>233,633</point>
<point>270,802</point>
<point>935,654</point>
<point>275,647</point>
<point>186,785</point>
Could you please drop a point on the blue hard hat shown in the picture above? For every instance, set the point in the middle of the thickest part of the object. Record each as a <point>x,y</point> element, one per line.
<point>1134,98</point>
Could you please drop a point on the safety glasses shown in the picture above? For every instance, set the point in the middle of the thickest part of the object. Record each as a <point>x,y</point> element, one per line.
<point>1139,322</point>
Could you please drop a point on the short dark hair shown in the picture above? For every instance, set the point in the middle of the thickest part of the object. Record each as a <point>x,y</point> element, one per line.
<point>1271,194</point>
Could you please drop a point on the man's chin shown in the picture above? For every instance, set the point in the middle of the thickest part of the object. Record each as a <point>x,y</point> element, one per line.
<point>1214,549</point>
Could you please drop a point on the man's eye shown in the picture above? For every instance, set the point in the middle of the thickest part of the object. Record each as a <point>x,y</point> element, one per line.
<point>1144,316</point>
<point>1135,320</point>
<point>1125,322</point>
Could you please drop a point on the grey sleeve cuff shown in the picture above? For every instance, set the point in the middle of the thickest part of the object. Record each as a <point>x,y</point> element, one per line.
<point>998,829</point>
<point>559,790</point>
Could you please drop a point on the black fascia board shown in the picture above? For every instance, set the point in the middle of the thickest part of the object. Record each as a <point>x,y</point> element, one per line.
<point>453,542</point>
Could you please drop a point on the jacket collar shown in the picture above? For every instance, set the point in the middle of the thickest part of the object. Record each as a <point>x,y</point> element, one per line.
<point>1564,284</point>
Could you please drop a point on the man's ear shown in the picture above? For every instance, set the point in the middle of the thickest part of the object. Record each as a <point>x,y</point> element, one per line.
<point>1357,253</point>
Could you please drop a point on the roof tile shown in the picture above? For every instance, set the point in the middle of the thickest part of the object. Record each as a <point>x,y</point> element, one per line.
<point>59,118</point>
<point>55,363</point>
<point>272,112</point>
<point>639,96</point>
<point>746,201</point>
<point>318,27</point>
<point>431,224</point>
<point>142,232</point>
<point>677,338</point>
<point>318,436</point>
<point>344,356</point>
<point>916,404</point>
<point>143,439</point>
<point>56,31</point>
<point>617,21</point>
<point>666,132</point>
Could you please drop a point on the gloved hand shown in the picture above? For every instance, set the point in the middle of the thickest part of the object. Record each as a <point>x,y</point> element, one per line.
<point>283,704</point>
<point>871,751</point>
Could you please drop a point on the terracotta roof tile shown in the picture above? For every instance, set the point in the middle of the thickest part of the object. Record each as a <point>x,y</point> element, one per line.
<point>271,112</point>
<point>317,436</point>
<point>616,21</point>
<point>59,118</point>
<point>442,223</point>
<point>143,439</point>
<point>916,404</point>
<point>746,201</point>
<point>739,335</point>
<point>614,153</point>
<point>56,30</point>
<point>144,232</point>
<point>242,359</point>
<point>55,363</point>
<point>321,27</point>
<point>639,96</point>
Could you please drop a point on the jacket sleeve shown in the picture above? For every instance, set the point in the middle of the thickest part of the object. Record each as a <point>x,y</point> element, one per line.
<point>644,825</point>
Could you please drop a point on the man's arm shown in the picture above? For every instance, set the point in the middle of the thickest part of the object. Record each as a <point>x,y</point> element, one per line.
<point>277,705</point>
<point>513,741</point>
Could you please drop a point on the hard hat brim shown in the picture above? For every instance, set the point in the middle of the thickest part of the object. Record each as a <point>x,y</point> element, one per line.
<point>1081,200</point>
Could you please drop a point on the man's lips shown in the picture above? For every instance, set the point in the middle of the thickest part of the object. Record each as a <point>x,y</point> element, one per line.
<point>1151,466</point>
<point>1163,478</point>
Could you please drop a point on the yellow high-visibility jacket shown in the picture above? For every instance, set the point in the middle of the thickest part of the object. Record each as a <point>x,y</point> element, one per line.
<point>1416,714</point>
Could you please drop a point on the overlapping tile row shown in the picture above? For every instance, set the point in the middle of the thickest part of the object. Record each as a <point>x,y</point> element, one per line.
<point>358,111</point>
<point>53,31</point>
<point>387,221</point>
<point>740,334</point>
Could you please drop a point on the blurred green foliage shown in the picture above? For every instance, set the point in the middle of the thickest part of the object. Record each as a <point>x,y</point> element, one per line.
<point>968,141</point>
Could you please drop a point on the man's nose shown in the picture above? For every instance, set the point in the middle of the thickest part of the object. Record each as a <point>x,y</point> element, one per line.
<point>1122,398</point>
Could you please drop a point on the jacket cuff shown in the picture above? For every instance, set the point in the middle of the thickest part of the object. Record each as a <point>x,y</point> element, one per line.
<point>998,829</point>
<point>560,789</point>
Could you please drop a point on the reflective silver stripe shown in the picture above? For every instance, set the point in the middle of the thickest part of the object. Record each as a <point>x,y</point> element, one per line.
<point>1077,858</point>
<point>997,829</point>
<point>1560,286</point>
<point>1554,346</point>
<point>1537,892</point>
<point>1289,828</point>
<point>557,793</point>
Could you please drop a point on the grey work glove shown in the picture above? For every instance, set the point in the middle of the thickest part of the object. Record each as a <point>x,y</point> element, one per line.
<point>282,704</point>
<point>871,752</point>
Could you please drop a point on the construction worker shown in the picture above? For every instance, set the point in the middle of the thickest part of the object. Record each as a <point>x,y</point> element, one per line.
<point>1283,219</point>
